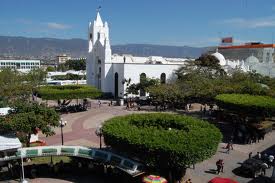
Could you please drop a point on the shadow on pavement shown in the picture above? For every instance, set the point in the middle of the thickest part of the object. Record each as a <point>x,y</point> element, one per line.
<point>262,180</point>
<point>211,171</point>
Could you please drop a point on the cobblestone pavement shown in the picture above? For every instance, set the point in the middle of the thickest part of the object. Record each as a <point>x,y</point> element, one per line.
<point>80,130</point>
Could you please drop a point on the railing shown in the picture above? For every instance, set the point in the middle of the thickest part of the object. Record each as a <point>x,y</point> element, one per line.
<point>125,164</point>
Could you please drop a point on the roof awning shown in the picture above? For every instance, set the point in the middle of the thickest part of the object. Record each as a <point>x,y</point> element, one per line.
<point>8,142</point>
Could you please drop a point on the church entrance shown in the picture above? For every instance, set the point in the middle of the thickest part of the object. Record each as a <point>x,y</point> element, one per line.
<point>116,85</point>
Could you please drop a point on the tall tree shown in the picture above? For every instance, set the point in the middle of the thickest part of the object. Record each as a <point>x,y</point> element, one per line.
<point>26,118</point>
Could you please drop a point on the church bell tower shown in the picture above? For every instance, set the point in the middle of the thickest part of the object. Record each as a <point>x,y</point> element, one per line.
<point>99,52</point>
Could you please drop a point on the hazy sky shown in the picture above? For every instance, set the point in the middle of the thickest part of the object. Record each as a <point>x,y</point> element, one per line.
<point>166,22</point>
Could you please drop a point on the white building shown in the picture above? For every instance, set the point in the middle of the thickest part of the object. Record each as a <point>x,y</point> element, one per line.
<point>20,65</point>
<point>108,72</point>
<point>230,65</point>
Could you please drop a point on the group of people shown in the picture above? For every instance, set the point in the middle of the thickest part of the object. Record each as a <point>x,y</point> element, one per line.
<point>266,159</point>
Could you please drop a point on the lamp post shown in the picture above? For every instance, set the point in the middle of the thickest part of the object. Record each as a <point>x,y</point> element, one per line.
<point>62,124</point>
<point>98,132</point>
<point>23,173</point>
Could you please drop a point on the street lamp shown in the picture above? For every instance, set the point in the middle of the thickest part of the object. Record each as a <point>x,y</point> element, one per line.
<point>98,132</point>
<point>23,173</point>
<point>62,124</point>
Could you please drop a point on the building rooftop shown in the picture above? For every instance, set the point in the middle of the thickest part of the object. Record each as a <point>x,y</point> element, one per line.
<point>250,45</point>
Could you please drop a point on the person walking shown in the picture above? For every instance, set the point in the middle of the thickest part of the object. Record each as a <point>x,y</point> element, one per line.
<point>263,168</point>
<point>99,103</point>
<point>219,165</point>
<point>250,155</point>
<point>259,156</point>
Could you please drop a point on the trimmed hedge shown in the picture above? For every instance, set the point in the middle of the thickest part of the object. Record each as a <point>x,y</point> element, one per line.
<point>244,103</point>
<point>162,139</point>
<point>68,92</point>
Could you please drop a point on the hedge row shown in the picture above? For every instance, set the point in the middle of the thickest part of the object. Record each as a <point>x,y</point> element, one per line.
<point>246,103</point>
<point>162,139</point>
<point>68,92</point>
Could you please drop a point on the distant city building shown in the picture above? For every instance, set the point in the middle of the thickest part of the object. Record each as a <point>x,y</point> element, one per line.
<point>51,75</point>
<point>254,56</point>
<point>108,72</point>
<point>20,65</point>
<point>61,59</point>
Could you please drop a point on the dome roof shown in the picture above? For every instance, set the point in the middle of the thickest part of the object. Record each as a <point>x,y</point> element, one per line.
<point>252,59</point>
<point>220,57</point>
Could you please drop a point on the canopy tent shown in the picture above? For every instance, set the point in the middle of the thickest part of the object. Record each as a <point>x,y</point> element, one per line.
<point>8,142</point>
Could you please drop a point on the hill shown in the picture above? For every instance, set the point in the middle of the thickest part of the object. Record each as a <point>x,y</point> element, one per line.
<point>48,48</point>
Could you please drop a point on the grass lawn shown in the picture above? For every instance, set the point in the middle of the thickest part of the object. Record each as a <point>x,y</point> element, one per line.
<point>46,160</point>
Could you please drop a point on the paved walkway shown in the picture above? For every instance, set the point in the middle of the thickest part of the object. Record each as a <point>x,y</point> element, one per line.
<point>80,130</point>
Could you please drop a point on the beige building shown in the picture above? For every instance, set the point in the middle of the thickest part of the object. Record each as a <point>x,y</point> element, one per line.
<point>60,59</point>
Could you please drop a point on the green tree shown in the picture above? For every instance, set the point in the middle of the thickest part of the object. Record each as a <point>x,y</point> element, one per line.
<point>68,92</point>
<point>13,85</point>
<point>62,67</point>
<point>50,69</point>
<point>26,118</point>
<point>163,141</point>
<point>76,65</point>
<point>160,96</point>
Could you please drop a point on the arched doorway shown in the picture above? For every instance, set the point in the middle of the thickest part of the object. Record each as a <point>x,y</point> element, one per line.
<point>163,78</point>
<point>116,85</point>
<point>142,80</point>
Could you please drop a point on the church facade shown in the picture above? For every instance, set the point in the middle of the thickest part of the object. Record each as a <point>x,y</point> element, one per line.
<point>108,71</point>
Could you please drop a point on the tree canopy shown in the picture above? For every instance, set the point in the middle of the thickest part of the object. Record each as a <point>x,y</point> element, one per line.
<point>76,65</point>
<point>162,140</point>
<point>26,118</point>
<point>68,92</point>
<point>247,104</point>
<point>16,85</point>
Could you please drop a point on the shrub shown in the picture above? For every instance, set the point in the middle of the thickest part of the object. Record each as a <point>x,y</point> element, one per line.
<point>244,103</point>
<point>162,140</point>
<point>68,92</point>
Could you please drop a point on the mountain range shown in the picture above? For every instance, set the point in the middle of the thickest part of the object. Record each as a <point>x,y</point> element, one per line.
<point>49,48</point>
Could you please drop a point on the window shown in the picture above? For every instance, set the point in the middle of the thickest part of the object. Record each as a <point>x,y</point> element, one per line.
<point>91,36</point>
<point>267,57</point>
<point>116,85</point>
<point>163,78</point>
<point>98,36</point>
<point>99,61</point>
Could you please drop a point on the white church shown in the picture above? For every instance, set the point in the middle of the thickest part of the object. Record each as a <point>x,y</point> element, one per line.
<point>108,72</point>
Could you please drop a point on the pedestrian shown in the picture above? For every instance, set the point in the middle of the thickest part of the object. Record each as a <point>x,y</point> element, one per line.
<point>258,156</point>
<point>250,155</point>
<point>219,165</point>
<point>270,160</point>
<point>263,168</point>
<point>228,148</point>
<point>99,103</point>
<point>204,110</point>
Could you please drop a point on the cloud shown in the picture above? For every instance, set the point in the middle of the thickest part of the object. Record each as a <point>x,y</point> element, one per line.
<point>54,25</point>
<point>263,22</point>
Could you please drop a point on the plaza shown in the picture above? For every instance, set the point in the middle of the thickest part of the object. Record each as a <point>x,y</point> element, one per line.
<point>80,130</point>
